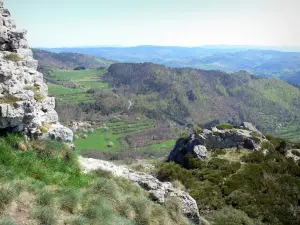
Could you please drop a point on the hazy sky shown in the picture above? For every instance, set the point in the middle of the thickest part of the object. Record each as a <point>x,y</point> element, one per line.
<point>57,23</point>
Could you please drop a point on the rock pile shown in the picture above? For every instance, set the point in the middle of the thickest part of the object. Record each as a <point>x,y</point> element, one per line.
<point>245,136</point>
<point>158,190</point>
<point>24,102</point>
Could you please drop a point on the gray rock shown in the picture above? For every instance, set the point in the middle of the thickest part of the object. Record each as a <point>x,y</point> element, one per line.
<point>158,190</point>
<point>289,154</point>
<point>20,82</point>
<point>249,126</point>
<point>60,133</point>
<point>197,145</point>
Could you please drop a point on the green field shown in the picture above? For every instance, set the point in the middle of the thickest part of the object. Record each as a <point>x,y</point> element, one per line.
<point>110,132</point>
<point>77,75</point>
<point>88,79</point>
<point>98,141</point>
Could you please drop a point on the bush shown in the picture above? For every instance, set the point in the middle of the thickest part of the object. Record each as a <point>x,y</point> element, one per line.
<point>231,216</point>
<point>224,126</point>
<point>12,57</point>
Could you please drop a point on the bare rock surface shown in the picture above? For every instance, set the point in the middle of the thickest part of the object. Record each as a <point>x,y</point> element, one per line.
<point>158,190</point>
<point>24,102</point>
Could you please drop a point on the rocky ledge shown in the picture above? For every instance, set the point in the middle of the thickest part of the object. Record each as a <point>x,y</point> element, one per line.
<point>24,103</point>
<point>158,190</point>
<point>197,144</point>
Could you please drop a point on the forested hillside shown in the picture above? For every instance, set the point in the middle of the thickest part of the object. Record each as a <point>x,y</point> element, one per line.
<point>202,96</point>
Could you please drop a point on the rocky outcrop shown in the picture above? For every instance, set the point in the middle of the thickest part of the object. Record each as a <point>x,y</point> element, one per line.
<point>245,136</point>
<point>158,190</point>
<point>294,154</point>
<point>24,102</point>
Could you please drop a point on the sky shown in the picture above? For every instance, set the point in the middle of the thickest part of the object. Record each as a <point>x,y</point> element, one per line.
<point>69,23</point>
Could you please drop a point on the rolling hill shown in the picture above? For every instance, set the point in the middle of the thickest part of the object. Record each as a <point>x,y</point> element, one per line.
<point>260,61</point>
<point>204,96</point>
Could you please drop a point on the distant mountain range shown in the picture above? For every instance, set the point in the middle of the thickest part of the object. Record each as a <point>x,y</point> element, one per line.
<point>262,62</point>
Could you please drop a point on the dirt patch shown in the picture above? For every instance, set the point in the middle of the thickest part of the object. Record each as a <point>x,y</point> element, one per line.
<point>20,210</point>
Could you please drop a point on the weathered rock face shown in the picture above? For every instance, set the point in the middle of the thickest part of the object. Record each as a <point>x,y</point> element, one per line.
<point>24,102</point>
<point>246,136</point>
<point>158,190</point>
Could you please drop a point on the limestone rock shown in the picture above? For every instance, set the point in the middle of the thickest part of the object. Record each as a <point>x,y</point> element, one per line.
<point>24,104</point>
<point>291,154</point>
<point>197,144</point>
<point>158,190</point>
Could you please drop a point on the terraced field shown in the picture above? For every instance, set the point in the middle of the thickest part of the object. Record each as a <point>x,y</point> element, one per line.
<point>83,80</point>
<point>107,137</point>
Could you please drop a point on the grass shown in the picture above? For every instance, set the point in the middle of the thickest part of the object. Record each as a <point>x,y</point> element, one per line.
<point>89,79</point>
<point>98,141</point>
<point>166,146</point>
<point>112,132</point>
<point>61,193</point>
<point>77,75</point>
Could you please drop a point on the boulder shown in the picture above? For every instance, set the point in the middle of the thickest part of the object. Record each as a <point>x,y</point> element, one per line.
<point>198,144</point>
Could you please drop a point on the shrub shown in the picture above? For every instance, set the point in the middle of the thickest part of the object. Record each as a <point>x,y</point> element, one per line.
<point>224,126</point>
<point>45,215</point>
<point>12,57</point>
<point>231,216</point>
<point>267,145</point>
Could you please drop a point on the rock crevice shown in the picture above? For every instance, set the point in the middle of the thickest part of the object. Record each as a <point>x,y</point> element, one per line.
<point>24,102</point>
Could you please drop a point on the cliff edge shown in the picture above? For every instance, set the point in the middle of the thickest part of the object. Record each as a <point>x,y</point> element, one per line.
<point>24,103</point>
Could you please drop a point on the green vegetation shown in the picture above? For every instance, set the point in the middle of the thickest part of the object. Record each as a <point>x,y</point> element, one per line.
<point>224,126</point>
<point>9,99</point>
<point>72,86</point>
<point>255,188</point>
<point>12,57</point>
<point>101,138</point>
<point>164,92</point>
<point>197,129</point>
<point>49,173</point>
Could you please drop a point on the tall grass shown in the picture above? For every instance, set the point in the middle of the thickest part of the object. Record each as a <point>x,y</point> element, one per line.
<point>50,172</point>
